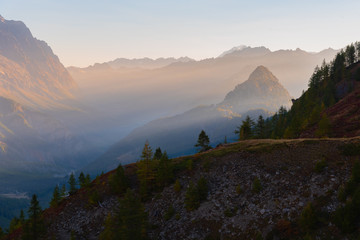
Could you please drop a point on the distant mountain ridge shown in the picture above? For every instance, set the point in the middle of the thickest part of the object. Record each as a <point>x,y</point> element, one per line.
<point>30,73</point>
<point>137,63</point>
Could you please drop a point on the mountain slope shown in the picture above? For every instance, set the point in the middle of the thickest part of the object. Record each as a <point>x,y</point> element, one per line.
<point>289,178</point>
<point>178,134</point>
<point>30,73</point>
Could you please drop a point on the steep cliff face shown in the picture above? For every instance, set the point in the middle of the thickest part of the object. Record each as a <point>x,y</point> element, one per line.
<point>30,73</point>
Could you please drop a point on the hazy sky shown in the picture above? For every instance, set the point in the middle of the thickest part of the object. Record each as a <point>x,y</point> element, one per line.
<point>82,32</point>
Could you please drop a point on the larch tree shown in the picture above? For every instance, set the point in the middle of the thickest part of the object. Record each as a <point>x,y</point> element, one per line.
<point>146,170</point>
<point>203,142</point>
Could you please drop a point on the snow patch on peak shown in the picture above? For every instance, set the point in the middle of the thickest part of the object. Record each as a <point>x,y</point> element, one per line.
<point>234,49</point>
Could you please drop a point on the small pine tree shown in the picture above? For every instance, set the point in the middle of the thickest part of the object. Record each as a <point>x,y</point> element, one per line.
<point>22,217</point>
<point>131,217</point>
<point>192,200</point>
<point>118,181</point>
<point>56,197</point>
<point>260,128</point>
<point>225,140</point>
<point>158,154</point>
<point>203,142</point>
<point>82,180</point>
<point>72,184</point>
<point>35,221</point>
<point>245,130</point>
<point>324,127</point>
<point>202,189</point>
<point>146,170</point>
<point>165,171</point>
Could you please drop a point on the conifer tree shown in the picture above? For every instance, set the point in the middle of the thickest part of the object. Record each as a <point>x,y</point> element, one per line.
<point>245,130</point>
<point>22,217</point>
<point>72,184</point>
<point>118,181</point>
<point>260,128</point>
<point>203,142</point>
<point>35,222</point>
<point>165,171</point>
<point>146,172</point>
<point>82,180</point>
<point>56,197</point>
<point>192,200</point>
<point>158,154</point>
<point>132,217</point>
<point>129,222</point>
<point>323,127</point>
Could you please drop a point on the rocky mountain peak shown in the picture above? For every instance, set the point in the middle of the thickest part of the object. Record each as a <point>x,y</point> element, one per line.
<point>31,73</point>
<point>262,90</point>
<point>262,74</point>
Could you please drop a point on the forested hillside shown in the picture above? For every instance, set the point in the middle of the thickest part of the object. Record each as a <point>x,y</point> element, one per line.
<point>329,107</point>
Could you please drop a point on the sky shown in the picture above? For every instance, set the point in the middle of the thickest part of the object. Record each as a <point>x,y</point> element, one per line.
<point>82,32</point>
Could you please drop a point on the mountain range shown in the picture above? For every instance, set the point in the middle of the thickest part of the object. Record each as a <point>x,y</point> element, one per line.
<point>121,99</point>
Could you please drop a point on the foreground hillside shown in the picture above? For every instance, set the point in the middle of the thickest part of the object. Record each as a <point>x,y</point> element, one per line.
<point>275,189</point>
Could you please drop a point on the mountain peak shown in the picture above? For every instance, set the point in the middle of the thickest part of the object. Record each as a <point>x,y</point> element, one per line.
<point>245,51</point>
<point>262,90</point>
<point>261,73</point>
<point>2,19</point>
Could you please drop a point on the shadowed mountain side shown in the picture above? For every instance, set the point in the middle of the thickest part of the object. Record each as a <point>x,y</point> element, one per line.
<point>30,73</point>
<point>33,143</point>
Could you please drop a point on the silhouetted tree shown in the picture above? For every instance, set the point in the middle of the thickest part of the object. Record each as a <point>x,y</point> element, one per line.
<point>164,171</point>
<point>260,128</point>
<point>158,154</point>
<point>56,197</point>
<point>350,54</point>
<point>245,130</point>
<point>203,142</point>
<point>82,180</point>
<point>35,222</point>
<point>72,184</point>
<point>129,221</point>
<point>146,170</point>
<point>118,181</point>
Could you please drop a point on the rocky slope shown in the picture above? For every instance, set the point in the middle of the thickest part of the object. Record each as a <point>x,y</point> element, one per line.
<point>261,94</point>
<point>30,73</point>
<point>290,178</point>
